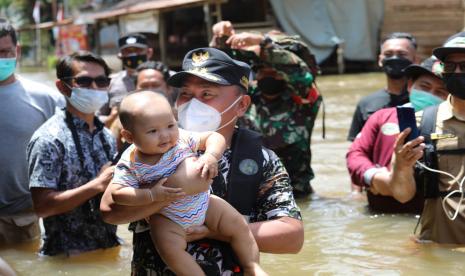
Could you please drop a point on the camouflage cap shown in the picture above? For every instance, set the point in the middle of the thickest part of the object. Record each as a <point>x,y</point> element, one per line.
<point>289,66</point>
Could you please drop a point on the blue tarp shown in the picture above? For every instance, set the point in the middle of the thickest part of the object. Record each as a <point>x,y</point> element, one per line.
<point>323,24</point>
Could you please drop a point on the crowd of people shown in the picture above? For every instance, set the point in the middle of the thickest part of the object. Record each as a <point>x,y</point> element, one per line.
<point>205,163</point>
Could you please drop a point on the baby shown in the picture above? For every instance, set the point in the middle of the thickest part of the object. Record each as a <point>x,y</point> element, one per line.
<point>160,150</point>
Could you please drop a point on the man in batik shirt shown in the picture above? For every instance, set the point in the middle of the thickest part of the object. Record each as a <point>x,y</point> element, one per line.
<point>69,161</point>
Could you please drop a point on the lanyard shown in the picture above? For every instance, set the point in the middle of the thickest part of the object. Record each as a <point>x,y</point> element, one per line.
<point>77,143</point>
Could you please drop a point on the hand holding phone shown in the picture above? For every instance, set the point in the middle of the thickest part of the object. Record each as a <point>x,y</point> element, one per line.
<point>406,117</point>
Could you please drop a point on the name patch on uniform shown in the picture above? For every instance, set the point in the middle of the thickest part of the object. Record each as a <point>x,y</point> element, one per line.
<point>390,129</point>
<point>248,167</point>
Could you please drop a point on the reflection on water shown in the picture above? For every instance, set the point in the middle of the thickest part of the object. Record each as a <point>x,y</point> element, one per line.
<point>341,236</point>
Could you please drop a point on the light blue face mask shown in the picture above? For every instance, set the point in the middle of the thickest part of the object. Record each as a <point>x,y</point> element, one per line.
<point>7,67</point>
<point>421,99</point>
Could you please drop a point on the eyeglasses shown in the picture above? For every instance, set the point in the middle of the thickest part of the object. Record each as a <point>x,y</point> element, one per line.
<point>449,66</point>
<point>86,81</point>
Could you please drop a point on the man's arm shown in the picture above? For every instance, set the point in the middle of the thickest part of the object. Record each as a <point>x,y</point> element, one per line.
<point>281,233</point>
<point>356,125</point>
<point>279,236</point>
<point>403,180</point>
<point>284,235</point>
<point>221,29</point>
<point>279,229</point>
<point>49,202</point>
<point>359,158</point>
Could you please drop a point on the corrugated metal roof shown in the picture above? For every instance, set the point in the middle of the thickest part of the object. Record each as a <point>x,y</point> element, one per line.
<point>137,6</point>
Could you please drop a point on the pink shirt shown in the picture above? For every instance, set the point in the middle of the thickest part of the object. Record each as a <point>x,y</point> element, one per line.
<point>374,145</point>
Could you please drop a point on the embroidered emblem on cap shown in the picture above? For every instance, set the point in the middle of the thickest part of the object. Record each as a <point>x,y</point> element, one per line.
<point>203,72</point>
<point>244,81</point>
<point>248,167</point>
<point>131,40</point>
<point>199,58</point>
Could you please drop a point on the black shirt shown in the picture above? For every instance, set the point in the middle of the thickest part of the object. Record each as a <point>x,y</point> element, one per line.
<point>372,103</point>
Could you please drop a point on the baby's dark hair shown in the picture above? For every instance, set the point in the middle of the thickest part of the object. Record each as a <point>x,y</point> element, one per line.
<point>126,117</point>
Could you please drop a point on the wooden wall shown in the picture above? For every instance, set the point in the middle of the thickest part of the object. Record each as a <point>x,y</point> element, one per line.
<point>430,21</point>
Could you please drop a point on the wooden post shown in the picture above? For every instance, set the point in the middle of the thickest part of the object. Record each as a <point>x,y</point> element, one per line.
<point>97,37</point>
<point>219,15</point>
<point>208,20</point>
<point>38,46</point>
<point>162,37</point>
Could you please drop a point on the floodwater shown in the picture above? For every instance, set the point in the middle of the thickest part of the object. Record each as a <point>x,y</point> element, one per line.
<point>341,236</point>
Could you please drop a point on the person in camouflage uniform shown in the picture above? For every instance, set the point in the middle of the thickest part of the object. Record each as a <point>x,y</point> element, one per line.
<point>258,181</point>
<point>285,98</point>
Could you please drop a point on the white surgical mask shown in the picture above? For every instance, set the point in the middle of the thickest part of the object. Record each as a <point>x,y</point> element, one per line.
<point>87,100</point>
<point>197,116</point>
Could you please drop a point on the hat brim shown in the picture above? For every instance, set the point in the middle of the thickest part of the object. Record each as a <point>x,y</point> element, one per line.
<point>177,80</point>
<point>442,52</point>
<point>135,45</point>
<point>413,71</point>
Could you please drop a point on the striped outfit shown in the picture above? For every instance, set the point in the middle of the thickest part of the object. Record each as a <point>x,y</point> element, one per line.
<point>187,211</point>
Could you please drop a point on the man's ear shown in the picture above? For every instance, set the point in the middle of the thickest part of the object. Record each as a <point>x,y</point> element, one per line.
<point>18,52</point>
<point>243,105</point>
<point>417,59</point>
<point>149,53</point>
<point>127,135</point>
<point>63,88</point>
<point>119,55</point>
<point>380,60</point>
<point>409,85</point>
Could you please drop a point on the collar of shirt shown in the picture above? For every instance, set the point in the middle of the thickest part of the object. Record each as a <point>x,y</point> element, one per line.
<point>82,125</point>
<point>445,110</point>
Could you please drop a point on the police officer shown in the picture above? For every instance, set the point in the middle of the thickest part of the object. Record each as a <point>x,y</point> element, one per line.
<point>133,51</point>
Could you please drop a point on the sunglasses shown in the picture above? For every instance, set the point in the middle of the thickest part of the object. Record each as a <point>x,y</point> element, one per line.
<point>449,67</point>
<point>86,82</point>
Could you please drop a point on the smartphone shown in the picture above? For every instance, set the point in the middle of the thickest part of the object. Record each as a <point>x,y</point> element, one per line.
<point>406,117</point>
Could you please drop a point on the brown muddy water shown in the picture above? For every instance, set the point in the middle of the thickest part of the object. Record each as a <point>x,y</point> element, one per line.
<point>341,236</point>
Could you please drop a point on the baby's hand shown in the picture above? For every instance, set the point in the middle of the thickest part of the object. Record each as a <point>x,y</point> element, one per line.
<point>159,192</point>
<point>207,164</point>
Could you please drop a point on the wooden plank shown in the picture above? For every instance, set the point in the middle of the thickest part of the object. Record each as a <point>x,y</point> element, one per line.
<point>430,21</point>
<point>402,5</point>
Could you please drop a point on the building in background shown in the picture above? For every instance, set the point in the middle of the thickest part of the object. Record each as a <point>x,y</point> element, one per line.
<point>343,35</point>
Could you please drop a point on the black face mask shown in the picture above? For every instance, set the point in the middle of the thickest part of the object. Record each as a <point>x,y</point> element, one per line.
<point>133,61</point>
<point>271,86</point>
<point>393,66</point>
<point>455,84</point>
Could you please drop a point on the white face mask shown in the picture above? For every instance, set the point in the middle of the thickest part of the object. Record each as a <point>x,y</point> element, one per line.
<point>87,100</point>
<point>197,116</point>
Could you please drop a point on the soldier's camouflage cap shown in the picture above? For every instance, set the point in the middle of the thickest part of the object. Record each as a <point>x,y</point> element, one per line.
<point>289,66</point>
<point>212,65</point>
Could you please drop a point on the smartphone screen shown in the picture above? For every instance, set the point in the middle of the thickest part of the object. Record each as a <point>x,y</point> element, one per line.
<point>406,117</point>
